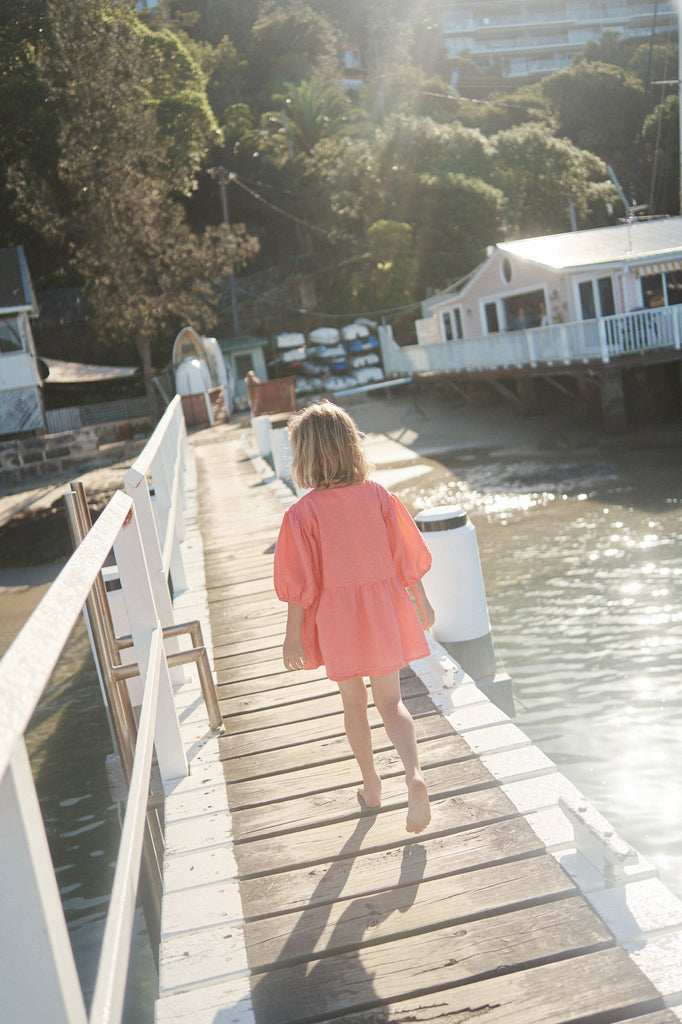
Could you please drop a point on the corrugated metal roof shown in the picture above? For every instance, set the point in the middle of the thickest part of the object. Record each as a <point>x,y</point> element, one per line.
<point>640,240</point>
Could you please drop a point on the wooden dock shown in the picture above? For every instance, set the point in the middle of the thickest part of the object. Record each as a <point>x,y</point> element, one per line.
<point>347,917</point>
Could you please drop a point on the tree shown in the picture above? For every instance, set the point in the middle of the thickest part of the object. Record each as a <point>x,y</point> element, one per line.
<point>110,195</point>
<point>394,267</point>
<point>175,87</point>
<point>539,172</point>
<point>660,166</point>
<point>309,112</point>
<point>289,44</point>
<point>599,108</point>
<point>454,218</point>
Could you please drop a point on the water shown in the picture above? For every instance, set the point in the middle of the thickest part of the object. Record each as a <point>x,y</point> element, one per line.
<point>68,741</point>
<point>582,564</point>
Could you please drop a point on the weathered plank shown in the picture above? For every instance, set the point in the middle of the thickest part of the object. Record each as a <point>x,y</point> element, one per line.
<point>590,989</point>
<point>312,809</point>
<point>409,905</point>
<point>330,749</point>
<point>436,959</point>
<point>372,832</point>
<point>336,775</point>
<point>363,872</point>
<point>287,733</point>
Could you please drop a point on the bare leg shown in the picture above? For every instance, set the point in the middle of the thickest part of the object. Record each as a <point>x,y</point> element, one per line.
<point>354,697</point>
<point>400,730</point>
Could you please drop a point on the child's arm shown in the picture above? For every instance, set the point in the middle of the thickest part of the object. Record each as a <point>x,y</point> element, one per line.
<point>293,654</point>
<point>423,604</point>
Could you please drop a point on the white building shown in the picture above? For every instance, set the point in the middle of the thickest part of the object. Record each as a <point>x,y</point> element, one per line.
<point>21,407</point>
<point>536,37</point>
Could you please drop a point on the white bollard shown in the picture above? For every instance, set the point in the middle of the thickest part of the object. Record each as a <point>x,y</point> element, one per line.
<point>261,431</point>
<point>281,452</point>
<point>454,586</point>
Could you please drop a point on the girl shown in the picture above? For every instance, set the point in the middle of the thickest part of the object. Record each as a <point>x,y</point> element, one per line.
<point>347,550</point>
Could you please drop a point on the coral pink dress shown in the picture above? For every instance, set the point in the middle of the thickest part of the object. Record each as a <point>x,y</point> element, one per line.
<point>346,555</point>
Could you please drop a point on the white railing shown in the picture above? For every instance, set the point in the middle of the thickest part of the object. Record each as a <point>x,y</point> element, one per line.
<point>38,976</point>
<point>603,339</point>
<point>33,932</point>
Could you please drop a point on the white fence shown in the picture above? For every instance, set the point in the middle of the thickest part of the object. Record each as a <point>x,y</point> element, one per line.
<point>38,977</point>
<point>604,339</point>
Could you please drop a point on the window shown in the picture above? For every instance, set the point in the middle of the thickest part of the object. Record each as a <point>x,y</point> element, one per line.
<point>587,306</point>
<point>606,303</point>
<point>596,301</point>
<point>506,270</point>
<point>491,321</point>
<point>451,320</point>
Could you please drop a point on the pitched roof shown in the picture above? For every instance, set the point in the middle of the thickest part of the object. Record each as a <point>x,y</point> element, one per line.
<point>16,290</point>
<point>639,240</point>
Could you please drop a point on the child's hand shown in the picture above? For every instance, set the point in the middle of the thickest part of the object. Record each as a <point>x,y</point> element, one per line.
<point>293,654</point>
<point>423,605</point>
<point>427,613</point>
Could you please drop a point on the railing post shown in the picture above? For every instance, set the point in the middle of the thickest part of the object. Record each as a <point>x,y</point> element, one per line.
<point>676,326</point>
<point>530,344</point>
<point>603,343</point>
<point>143,619</point>
<point>38,977</point>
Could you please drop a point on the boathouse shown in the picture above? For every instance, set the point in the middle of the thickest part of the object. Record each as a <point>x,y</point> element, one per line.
<point>21,406</point>
<point>583,307</point>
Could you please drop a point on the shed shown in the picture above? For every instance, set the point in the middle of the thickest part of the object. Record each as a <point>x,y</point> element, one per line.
<point>21,406</point>
<point>241,355</point>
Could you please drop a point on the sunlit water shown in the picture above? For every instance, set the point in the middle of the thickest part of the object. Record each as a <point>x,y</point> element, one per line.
<point>582,564</point>
<point>68,741</point>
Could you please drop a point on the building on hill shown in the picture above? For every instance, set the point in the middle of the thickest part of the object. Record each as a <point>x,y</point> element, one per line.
<point>536,37</point>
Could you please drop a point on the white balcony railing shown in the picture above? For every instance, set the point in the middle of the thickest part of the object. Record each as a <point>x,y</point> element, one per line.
<point>604,340</point>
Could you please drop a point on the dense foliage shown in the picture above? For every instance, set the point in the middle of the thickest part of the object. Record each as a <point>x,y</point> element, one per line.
<point>359,179</point>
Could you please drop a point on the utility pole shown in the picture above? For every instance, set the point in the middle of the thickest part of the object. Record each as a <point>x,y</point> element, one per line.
<point>223,177</point>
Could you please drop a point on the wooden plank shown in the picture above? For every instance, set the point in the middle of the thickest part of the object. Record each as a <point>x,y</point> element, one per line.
<point>436,959</point>
<point>287,733</point>
<point>337,774</point>
<point>311,682</point>
<point>591,989</point>
<point>367,831</point>
<point>363,872</point>
<point>409,905</point>
<point>327,750</point>
<point>301,812</point>
<point>255,717</point>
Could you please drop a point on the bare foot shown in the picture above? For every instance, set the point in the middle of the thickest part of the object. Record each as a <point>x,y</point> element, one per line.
<point>418,808</point>
<point>370,792</point>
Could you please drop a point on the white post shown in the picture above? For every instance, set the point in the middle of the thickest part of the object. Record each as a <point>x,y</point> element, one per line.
<point>261,431</point>
<point>38,977</point>
<point>281,453</point>
<point>144,619</point>
<point>454,586</point>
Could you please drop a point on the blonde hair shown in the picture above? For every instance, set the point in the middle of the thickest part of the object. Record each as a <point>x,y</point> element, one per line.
<point>327,447</point>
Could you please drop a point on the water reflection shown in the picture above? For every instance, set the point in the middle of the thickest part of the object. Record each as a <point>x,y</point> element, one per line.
<point>582,563</point>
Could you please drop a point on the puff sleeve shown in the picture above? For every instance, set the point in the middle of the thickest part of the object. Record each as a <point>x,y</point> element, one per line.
<point>296,571</point>
<point>411,556</point>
